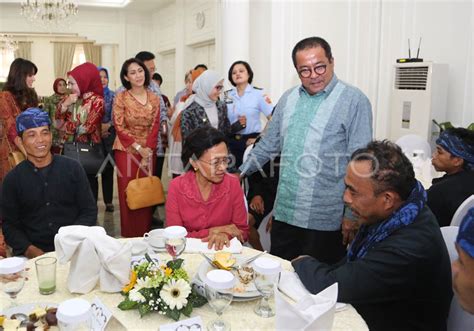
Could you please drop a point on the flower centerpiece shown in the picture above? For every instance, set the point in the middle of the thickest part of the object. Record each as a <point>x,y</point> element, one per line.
<point>161,288</point>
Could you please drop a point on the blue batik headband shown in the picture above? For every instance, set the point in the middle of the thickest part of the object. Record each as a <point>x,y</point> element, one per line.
<point>465,237</point>
<point>457,147</point>
<point>32,118</point>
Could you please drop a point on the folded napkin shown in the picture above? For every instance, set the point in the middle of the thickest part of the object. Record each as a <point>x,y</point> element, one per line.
<point>94,256</point>
<point>195,245</point>
<point>310,312</point>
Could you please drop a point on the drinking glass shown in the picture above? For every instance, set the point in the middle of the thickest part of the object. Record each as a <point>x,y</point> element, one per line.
<point>175,246</point>
<point>219,300</point>
<point>265,284</point>
<point>12,284</point>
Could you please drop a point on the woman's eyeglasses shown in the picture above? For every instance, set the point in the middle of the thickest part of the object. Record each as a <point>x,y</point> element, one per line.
<point>216,162</point>
<point>318,70</point>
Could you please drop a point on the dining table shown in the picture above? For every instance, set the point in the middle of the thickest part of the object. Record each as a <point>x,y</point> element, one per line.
<point>240,315</point>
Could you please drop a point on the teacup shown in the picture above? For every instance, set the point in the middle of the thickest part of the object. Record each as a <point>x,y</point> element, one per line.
<point>155,238</point>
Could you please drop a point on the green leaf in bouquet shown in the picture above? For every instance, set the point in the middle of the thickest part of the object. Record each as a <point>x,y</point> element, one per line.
<point>144,309</point>
<point>188,309</point>
<point>175,264</point>
<point>471,127</point>
<point>173,313</point>
<point>197,299</point>
<point>127,304</point>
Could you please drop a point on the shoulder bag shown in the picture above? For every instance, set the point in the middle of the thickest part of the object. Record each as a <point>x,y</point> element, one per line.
<point>144,192</point>
<point>89,155</point>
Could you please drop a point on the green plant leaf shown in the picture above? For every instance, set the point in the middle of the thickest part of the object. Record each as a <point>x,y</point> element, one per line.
<point>175,264</point>
<point>174,314</point>
<point>471,127</point>
<point>188,309</point>
<point>127,304</point>
<point>143,309</point>
<point>197,299</point>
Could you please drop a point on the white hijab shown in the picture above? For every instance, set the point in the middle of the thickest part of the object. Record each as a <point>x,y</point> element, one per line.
<point>203,86</point>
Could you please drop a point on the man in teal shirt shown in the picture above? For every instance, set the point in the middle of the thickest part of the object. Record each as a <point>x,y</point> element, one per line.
<point>316,126</point>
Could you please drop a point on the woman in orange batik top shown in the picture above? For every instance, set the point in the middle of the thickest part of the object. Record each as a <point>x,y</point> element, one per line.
<point>136,115</point>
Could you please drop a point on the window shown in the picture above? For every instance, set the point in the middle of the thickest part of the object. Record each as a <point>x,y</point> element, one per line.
<point>79,56</point>
<point>6,58</point>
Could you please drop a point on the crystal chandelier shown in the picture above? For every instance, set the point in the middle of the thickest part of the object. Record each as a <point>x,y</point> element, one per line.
<point>49,12</point>
<point>7,42</point>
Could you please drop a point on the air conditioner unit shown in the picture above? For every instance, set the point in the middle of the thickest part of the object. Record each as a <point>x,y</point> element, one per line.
<point>419,95</point>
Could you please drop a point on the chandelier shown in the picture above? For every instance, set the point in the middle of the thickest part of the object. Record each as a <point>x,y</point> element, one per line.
<point>7,42</point>
<point>49,12</point>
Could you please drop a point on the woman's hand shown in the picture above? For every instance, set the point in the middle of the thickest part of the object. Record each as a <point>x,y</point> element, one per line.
<point>243,121</point>
<point>104,130</point>
<point>230,230</point>
<point>218,240</point>
<point>72,98</point>
<point>257,204</point>
<point>146,153</point>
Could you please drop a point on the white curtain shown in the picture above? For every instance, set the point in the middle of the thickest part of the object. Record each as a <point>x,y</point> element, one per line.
<point>23,50</point>
<point>93,53</point>
<point>63,57</point>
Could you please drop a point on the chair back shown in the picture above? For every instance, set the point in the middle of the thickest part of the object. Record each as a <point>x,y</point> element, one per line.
<point>412,144</point>
<point>458,318</point>
<point>462,211</point>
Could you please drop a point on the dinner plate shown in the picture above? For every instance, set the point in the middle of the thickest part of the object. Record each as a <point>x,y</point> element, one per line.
<point>28,308</point>
<point>246,292</point>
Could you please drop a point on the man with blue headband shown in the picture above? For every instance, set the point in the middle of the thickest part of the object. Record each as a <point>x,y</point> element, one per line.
<point>454,155</point>
<point>463,267</point>
<point>397,272</point>
<point>44,192</point>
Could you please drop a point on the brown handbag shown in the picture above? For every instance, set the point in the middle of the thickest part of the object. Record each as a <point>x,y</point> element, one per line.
<point>144,192</point>
<point>14,157</point>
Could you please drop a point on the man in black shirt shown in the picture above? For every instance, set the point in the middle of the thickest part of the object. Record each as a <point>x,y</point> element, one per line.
<point>397,272</point>
<point>454,155</point>
<point>44,192</point>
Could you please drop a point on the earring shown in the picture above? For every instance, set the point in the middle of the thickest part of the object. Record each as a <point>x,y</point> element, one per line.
<point>195,169</point>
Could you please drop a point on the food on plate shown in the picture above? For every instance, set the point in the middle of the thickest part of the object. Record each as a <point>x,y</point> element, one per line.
<point>246,274</point>
<point>41,318</point>
<point>224,260</point>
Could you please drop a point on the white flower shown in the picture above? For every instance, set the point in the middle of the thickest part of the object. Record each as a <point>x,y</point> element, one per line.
<point>143,283</point>
<point>136,296</point>
<point>175,293</point>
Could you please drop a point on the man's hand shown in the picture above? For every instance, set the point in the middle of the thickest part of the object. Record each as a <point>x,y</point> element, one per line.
<point>257,204</point>
<point>33,251</point>
<point>349,230</point>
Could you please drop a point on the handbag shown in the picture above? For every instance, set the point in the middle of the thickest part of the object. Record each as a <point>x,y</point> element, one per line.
<point>89,155</point>
<point>14,157</point>
<point>144,192</point>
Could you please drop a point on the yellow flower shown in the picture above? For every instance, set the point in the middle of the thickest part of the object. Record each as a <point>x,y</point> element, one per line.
<point>133,281</point>
<point>168,271</point>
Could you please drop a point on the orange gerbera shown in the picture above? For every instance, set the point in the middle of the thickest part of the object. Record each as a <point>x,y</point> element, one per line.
<point>133,281</point>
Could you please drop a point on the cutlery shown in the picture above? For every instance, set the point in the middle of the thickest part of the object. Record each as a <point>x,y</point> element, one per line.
<point>209,260</point>
<point>253,258</point>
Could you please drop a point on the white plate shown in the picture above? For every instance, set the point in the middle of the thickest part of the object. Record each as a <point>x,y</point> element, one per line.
<point>250,292</point>
<point>28,308</point>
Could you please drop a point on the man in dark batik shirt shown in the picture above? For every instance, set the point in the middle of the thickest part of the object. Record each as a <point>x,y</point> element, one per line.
<point>44,192</point>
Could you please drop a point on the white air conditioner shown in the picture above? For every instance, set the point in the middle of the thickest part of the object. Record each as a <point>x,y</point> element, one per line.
<point>419,95</point>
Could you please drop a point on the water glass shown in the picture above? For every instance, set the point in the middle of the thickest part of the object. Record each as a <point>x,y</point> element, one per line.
<point>267,272</point>
<point>46,274</point>
<point>219,300</point>
<point>175,240</point>
<point>12,276</point>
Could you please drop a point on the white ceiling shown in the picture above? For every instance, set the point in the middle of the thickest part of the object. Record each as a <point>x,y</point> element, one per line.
<point>138,5</point>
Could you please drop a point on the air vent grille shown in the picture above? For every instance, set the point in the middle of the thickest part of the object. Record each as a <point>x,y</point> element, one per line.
<point>411,78</point>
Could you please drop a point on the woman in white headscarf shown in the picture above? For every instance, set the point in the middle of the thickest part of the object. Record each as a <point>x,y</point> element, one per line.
<point>206,108</point>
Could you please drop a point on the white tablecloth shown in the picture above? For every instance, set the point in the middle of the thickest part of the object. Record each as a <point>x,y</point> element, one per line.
<point>239,314</point>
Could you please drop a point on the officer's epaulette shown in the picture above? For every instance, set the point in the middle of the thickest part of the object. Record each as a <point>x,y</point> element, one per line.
<point>258,88</point>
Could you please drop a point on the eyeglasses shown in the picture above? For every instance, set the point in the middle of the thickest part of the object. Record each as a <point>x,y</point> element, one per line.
<point>216,162</point>
<point>318,70</point>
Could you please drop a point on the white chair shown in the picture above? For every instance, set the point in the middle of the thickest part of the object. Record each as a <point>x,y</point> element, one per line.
<point>458,318</point>
<point>462,211</point>
<point>412,144</point>
<point>264,235</point>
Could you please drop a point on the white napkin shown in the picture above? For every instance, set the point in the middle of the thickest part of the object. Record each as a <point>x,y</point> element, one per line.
<point>94,256</point>
<point>195,245</point>
<point>310,312</point>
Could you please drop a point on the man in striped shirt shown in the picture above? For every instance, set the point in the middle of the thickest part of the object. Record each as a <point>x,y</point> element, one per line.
<point>315,126</point>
